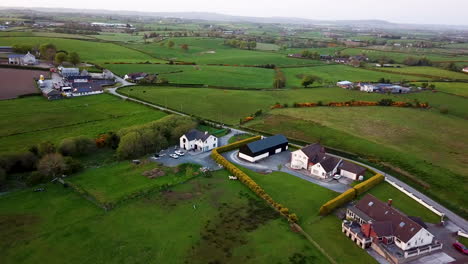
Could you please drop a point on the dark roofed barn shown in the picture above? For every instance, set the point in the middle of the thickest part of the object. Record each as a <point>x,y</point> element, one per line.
<point>263,148</point>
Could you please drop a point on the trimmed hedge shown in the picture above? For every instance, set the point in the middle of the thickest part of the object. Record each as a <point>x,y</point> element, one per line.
<point>245,179</point>
<point>368,184</point>
<point>350,194</point>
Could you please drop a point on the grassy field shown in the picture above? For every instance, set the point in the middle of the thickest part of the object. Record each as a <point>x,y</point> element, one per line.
<point>28,121</point>
<point>213,51</point>
<point>48,225</point>
<point>239,137</point>
<point>42,34</point>
<point>242,77</point>
<point>433,71</point>
<point>113,182</point>
<point>89,51</point>
<point>395,137</point>
<point>335,73</point>
<point>399,57</point>
<point>451,87</point>
<point>118,37</point>
<point>305,198</point>
<point>267,47</point>
<point>213,103</point>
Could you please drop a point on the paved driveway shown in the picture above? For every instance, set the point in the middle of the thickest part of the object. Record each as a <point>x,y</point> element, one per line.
<point>271,164</point>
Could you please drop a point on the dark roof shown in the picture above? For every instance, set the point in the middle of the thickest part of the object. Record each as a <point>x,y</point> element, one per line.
<point>352,167</point>
<point>383,228</point>
<point>137,75</point>
<point>313,152</point>
<point>403,227</point>
<point>266,143</point>
<point>197,134</point>
<point>15,56</point>
<point>329,162</point>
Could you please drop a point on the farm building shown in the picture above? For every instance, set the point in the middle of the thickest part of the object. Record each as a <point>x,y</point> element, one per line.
<point>6,49</point>
<point>351,170</point>
<point>19,59</point>
<point>135,76</point>
<point>197,140</point>
<point>263,148</point>
<point>67,72</point>
<point>395,236</point>
<point>345,84</point>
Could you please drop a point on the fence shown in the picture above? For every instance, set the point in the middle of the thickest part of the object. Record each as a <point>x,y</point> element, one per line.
<point>417,199</point>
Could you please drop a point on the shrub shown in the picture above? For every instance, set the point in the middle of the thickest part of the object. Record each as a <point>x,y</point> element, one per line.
<point>368,184</point>
<point>338,201</point>
<point>35,178</point>
<point>45,148</point>
<point>77,146</point>
<point>72,165</point>
<point>52,165</point>
<point>18,162</point>
<point>3,177</point>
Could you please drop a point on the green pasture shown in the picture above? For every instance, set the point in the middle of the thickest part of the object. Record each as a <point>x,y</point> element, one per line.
<point>451,87</point>
<point>28,121</point>
<point>432,71</point>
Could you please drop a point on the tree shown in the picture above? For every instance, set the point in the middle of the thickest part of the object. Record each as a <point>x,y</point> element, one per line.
<point>170,44</point>
<point>184,47</point>
<point>48,51</point>
<point>45,148</point>
<point>309,80</point>
<point>52,165</point>
<point>74,58</point>
<point>22,48</point>
<point>3,176</point>
<point>77,146</point>
<point>60,58</point>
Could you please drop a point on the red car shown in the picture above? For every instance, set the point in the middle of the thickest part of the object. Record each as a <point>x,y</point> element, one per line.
<point>460,247</point>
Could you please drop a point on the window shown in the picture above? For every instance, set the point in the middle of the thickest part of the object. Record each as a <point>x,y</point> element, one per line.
<point>214,145</point>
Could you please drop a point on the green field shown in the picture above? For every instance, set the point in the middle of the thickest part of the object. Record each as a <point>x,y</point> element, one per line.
<point>451,87</point>
<point>240,77</point>
<point>432,71</point>
<point>397,137</point>
<point>28,121</point>
<point>118,37</point>
<point>113,182</point>
<point>334,73</point>
<point>399,57</point>
<point>89,51</point>
<point>214,103</point>
<point>38,226</point>
<point>213,51</point>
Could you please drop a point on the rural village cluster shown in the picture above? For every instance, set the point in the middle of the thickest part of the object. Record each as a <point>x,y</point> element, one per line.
<point>374,225</point>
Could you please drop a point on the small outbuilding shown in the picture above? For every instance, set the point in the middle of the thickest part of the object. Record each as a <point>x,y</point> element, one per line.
<point>263,148</point>
<point>351,170</point>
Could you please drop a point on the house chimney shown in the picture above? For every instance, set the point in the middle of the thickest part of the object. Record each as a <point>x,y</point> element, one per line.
<point>389,203</point>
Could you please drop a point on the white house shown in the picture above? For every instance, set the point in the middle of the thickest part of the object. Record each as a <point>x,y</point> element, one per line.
<point>326,167</point>
<point>369,87</point>
<point>19,59</point>
<point>307,156</point>
<point>198,141</point>
<point>345,84</point>
<point>465,69</point>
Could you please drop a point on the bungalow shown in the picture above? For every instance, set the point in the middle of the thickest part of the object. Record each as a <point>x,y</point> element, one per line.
<point>135,76</point>
<point>197,140</point>
<point>263,148</point>
<point>345,84</point>
<point>395,236</point>
<point>465,69</point>
<point>19,59</point>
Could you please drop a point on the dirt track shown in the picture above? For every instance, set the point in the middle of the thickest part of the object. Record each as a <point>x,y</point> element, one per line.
<point>15,82</point>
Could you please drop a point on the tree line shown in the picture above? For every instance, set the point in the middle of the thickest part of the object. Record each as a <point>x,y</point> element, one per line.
<point>49,52</point>
<point>241,44</point>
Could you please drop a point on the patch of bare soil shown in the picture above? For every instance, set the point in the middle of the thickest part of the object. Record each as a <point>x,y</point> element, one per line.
<point>154,173</point>
<point>16,228</point>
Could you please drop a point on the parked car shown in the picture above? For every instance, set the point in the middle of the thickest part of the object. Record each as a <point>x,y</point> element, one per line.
<point>39,190</point>
<point>337,177</point>
<point>180,153</point>
<point>174,156</point>
<point>460,247</point>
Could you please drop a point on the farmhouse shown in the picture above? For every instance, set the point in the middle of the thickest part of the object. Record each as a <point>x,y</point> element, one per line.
<point>19,59</point>
<point>135,76</point>
<point>465,69</point>
<point>307,156</point>
<point>197,140</point>
<point>263,148</point>
<point>326,167</point>
<point>373,223</point>
<point>345,84</point>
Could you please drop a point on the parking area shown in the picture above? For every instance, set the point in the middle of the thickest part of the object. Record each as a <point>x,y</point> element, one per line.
<point>201,158</point>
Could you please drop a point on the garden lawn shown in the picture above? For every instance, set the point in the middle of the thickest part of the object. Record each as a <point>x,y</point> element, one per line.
<point>237,77</point>
<point>334,73</point>
<point>49,225</point>
<point>213,51</point>
<point>89,51</point>
<point>27,121</point>
<point>304,199</point>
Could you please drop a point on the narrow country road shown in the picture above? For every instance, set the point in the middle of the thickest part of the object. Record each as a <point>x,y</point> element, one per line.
<point>453,217</point>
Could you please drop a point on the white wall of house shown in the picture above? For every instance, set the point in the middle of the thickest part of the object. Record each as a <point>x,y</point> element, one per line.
<point>29,59</point>
<point>348,174</point>
<point>253,159</point>
<point>318,170</point>
<point>299,160</point>
<point>422,238</point>
<point>88,93</point>
<point>210,143</point>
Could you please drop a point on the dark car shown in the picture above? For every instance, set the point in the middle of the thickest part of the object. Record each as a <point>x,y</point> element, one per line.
<point>460,247</point>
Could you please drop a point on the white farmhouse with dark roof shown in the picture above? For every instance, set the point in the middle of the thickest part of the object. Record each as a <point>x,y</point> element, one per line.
<point>197,140</point>
<point>20,59</point>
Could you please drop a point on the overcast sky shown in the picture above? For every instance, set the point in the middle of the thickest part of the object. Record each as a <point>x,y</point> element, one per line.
<point>404,11</point>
